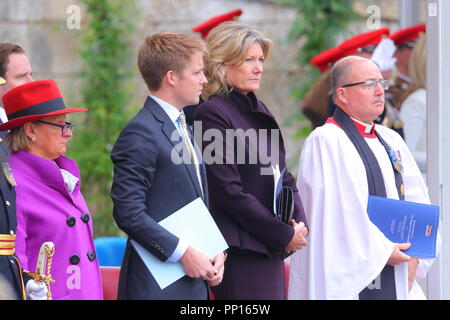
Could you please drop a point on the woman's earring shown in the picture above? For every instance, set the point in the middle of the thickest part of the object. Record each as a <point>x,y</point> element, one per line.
<point>33,139</point>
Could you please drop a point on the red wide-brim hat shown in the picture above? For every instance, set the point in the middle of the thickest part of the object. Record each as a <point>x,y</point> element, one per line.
<point>206,26</point>
<point>33,101</point>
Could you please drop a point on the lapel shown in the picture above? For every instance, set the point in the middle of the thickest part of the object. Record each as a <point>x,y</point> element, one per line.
<point>167,127</point>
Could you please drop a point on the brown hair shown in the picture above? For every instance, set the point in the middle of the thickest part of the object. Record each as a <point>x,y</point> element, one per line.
<point>228,45</point>
<point>166,51</point>
<point>7,49</point>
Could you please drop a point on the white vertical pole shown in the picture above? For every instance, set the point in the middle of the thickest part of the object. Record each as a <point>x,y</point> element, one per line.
<point>438,136</point>
<point>409,13</point>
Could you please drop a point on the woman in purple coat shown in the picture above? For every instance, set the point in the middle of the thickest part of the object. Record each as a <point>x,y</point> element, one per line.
<point>240,163</point>
<point>49,203</point>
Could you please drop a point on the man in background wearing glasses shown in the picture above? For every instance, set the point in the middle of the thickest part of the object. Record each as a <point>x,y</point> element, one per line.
<point>342,163</point>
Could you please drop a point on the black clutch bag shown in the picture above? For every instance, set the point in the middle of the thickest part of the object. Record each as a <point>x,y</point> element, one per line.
<point>285,205</point>
<point>285,209</point>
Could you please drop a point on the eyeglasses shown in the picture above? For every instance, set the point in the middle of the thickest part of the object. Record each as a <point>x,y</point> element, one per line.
<point>370,84</point>
<point>64,127</point>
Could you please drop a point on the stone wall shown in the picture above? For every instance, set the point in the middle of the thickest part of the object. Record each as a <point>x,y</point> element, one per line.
<point>40,27</point>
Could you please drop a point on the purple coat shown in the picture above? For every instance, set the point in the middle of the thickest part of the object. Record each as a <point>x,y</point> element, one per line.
<point>46,211</point>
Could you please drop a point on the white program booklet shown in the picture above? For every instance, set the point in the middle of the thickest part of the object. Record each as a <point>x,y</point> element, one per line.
<point>194,224</point>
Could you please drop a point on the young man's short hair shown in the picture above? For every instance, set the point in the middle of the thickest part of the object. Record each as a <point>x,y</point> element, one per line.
<point>166,51</point>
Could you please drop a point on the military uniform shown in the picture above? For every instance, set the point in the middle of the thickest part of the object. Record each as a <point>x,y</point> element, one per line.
<point>400,88</point>
<point>314,103</point>
<point>404,38</point>
<point>398,91</point>
<point>9,265</point>
<point>10,270</point>
<point>395,96</point>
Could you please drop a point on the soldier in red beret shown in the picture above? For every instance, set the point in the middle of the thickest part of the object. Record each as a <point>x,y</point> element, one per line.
<point>404,40</point>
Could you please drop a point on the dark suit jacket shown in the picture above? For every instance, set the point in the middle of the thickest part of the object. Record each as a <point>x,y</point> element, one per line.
<point>241,199</point>
<point>148,187</point>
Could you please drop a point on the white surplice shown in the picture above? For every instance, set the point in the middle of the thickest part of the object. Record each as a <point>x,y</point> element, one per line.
<point>346,251</point>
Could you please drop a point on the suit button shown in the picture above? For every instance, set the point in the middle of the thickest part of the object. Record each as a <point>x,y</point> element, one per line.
<point>74,259</point>
<point>91,255</point>
<point>11,232</point>
<point>85,217</point>
<point>7,203</point>
<point>71,221</point>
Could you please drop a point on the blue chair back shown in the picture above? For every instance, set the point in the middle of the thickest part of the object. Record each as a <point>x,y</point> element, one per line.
<point>110,250</point>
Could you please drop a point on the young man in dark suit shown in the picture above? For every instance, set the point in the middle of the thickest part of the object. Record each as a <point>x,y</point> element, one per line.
<point>149,185</point>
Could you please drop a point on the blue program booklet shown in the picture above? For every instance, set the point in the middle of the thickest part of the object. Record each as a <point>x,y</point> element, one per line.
<point>405,221</point>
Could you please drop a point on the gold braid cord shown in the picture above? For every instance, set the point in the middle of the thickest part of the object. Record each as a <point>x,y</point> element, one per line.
<point>45,255</point>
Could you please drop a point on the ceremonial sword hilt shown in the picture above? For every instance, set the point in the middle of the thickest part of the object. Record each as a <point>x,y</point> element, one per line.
<point>45,258</point>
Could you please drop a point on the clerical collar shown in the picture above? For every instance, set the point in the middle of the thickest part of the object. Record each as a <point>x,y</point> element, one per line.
<point>366,130</point>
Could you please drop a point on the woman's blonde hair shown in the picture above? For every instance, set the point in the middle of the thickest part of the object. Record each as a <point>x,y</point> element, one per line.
<point>17,140</point>
<point>418,64</point>
<point>228,45</point>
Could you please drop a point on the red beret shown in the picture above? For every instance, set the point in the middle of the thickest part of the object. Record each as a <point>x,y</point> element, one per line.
<point>33,101</point>
<point>409,34</point>
<point>324,59</point>
<point>206,26</point>
<point>371,38</point>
